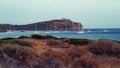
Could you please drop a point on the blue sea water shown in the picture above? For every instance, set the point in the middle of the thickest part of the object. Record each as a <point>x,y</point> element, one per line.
<point>94,34</point>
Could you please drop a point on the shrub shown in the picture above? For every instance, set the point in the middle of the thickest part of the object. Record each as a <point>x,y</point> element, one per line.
<point>77,52</point>
<point>58,56</point>
<point>105,47</point>
<point>36,36</point>
<point>50,37</point>
<point>117,41</point>
<point>77,41</point>
<point>7,41</point>
<point>64,39</point>
<point>16,41</point>
<point>85,62</point>
<point>22,42</point>
<point>23,37</point>
<point>1,42</point>
<point>17,52</point>
<point>9,38</point>
<point>57,43</point>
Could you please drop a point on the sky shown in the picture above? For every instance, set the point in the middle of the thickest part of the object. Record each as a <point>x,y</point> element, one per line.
<point>91,13</point>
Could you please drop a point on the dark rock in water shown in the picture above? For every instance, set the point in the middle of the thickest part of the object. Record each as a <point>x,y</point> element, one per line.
<point>57,24</point>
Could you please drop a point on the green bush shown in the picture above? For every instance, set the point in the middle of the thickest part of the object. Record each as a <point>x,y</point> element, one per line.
<point>10,41</point>
<point>17,52</point>
<point>35,36</point>
<point>1,42</point>
<point>50,37</point>
<point>117,41</point>
<point>16,41</point>
<point>23,37</point>
<point>21,42</point>
<point>76,41</point>
<point>9,38</point>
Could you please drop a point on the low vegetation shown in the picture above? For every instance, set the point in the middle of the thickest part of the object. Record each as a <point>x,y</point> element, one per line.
<point>76,41</point>
<point>105,47</point>
<point>35,36</point>
<point>49,52</point>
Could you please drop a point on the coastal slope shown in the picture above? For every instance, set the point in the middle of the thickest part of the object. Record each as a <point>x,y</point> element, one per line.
<point>50,52</point>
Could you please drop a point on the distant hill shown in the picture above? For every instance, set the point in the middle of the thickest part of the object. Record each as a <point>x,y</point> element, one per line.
<point>4,27</point>
<point>57,24</point>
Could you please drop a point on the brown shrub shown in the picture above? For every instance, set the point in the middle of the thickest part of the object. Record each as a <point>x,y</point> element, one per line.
<point>108,61</point>
<point>105,47</point>
<point>57,43</point>
<point>85,62</point>
<point>22,42</point>
<point>17,52</point>
<point>76,52</point>
<point>51,53</point>
<point>65,58</point>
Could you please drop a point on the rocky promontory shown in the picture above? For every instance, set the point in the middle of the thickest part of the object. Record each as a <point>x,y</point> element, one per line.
<point>56,24</point>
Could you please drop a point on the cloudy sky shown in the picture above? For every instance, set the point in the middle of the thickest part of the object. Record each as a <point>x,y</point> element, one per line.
<point>91,13</point>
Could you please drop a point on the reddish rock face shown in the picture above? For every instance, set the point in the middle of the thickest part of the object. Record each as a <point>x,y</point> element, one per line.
<point>62,24</point>
<point>57,24</point>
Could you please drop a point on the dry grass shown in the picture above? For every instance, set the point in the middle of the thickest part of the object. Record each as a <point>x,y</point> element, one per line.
<point>85,62</point>
<point>51,53</point>
<point>57,43</point>
<point>17,52</point>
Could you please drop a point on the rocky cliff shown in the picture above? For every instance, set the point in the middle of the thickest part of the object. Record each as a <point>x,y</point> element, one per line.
<point>4,27</point>
<point>57,24</point>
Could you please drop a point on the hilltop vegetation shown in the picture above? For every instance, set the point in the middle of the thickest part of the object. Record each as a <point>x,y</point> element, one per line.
<point>49,52</point>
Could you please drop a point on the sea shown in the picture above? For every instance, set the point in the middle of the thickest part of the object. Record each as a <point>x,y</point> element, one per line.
<point>93,34</point>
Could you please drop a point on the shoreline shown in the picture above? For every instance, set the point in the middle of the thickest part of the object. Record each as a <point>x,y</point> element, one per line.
<point>30,36</point>
<point>89,34</point>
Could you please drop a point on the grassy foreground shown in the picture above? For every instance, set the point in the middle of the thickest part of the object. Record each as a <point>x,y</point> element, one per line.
<point>49,52</point>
